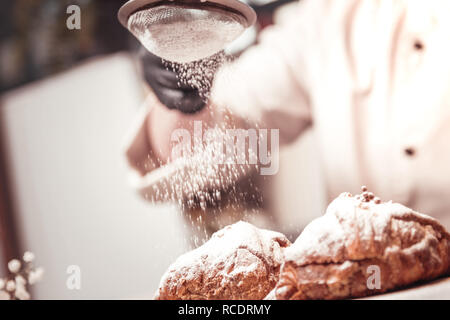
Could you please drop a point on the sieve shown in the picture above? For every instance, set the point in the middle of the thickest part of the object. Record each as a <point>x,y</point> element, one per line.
<point>186,30</point>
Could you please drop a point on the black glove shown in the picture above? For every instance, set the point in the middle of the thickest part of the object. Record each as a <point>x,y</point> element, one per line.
<point>166,86</point>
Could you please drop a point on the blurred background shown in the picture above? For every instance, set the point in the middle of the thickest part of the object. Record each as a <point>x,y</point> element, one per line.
<point>68,99</point>
<point>34,42</point>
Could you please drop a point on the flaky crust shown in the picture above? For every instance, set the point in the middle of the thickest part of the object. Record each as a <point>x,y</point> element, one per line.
<point>331,258</point>
<point>238,262</point>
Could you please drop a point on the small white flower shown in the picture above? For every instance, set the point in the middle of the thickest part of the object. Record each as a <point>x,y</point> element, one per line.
<point>10,285</point>
<point>4,295</point>
<point>14,266</point>
<point>2,284</point>
<point>35,276</point>
<point>28,256</point>
<point>20,280</point>
<point>21,293</point>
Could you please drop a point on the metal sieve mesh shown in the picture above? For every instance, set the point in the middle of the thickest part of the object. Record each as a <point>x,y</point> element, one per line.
<point>182,33</point>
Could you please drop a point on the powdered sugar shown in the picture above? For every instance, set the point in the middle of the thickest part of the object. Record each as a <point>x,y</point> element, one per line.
<point>198,74</point>
<point>183,34</point>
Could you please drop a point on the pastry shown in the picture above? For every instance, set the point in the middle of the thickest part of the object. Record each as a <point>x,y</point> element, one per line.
<point>360,247</point>
<point>238,262</point>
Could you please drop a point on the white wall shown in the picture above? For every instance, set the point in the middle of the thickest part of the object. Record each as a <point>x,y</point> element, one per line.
<point>70,184</point>
<point>298,188</point>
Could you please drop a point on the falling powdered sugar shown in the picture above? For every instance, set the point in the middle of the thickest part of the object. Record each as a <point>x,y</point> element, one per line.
<point>206,189</point>
<point>198,74</point>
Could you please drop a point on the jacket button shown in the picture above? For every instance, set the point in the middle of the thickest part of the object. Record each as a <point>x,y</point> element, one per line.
<point>418,45</point>
<point>410,152</point>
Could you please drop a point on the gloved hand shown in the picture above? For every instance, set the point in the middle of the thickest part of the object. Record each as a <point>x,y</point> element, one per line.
<point>166,85</point>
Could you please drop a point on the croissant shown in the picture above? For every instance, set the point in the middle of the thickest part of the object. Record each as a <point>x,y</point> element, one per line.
<point>361,247</point>
<point>240,261</point>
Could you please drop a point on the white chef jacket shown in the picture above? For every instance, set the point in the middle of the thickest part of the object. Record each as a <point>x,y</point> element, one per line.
<point>373,79</point>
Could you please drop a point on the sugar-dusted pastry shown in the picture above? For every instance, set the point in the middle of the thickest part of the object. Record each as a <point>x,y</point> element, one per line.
<point>360,247</point>
<point>238,262</point>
